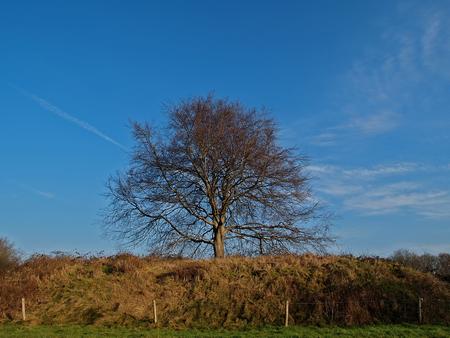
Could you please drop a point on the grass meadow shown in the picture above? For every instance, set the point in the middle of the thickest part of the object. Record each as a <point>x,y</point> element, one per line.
<point>295,331</point>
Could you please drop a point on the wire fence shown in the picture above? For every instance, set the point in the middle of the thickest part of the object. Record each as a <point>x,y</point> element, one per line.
<point>418,310</point>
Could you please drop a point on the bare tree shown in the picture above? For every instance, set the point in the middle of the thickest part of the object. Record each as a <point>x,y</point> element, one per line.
<point>216,178</point>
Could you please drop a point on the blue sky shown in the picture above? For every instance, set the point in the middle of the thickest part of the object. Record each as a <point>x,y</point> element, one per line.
<point>361,87</point>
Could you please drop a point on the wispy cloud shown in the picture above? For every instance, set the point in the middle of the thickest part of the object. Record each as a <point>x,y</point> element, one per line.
<point>368,172</point>
<point>383,189</point>
<point>47,105</point>
<point>383,89</point>
<point>327,138</point>
<point>389,199</point>
<point>382,170</point>
<point>430,36</point>
<point>374,124</point>
<point>359,125</point>
<point>435,42</point>
<point>340,189</point>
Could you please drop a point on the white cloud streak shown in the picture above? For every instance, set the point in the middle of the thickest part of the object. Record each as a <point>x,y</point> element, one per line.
<point>382,170</point>
<point>368,172</point>
<point>388,199</point>
<point>370,125</point>
<point>70,118</point>
<point>366,190</point>
<point>374,124</point>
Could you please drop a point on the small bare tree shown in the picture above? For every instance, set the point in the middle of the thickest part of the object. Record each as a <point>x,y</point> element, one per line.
<point>216,178</point>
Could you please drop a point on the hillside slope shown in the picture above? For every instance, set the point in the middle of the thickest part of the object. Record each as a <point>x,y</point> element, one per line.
<point>232,292</point>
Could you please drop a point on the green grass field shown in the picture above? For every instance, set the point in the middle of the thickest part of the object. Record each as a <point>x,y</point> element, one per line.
<point>93,331</point>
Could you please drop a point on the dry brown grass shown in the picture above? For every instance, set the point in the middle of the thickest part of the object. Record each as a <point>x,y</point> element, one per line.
<point>231,292</point>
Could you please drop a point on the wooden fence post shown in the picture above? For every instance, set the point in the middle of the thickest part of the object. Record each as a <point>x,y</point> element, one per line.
<point>286,320</point>
<point>24,315</point>
<point>420,310</point>
<point>154,312</point>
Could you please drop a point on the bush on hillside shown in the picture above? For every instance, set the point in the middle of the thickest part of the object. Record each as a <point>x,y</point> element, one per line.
<point>438,265</point>
<point>9,256</point>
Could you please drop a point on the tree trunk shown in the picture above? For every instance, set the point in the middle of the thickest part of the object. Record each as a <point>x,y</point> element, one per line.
<point>219,245</point>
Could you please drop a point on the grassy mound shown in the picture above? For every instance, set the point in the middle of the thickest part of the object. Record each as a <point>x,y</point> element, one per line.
<point>233,292</point>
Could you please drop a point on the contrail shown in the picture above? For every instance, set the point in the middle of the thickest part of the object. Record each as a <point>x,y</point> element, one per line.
<point>66,116</point>
<point>41,193</point>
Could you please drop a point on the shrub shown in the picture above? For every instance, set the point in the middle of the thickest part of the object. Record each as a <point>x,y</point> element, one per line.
<point>438,265</point>
<point>9,256</point>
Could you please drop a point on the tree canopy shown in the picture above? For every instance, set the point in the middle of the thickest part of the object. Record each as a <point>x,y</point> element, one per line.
<point>216,178</point>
